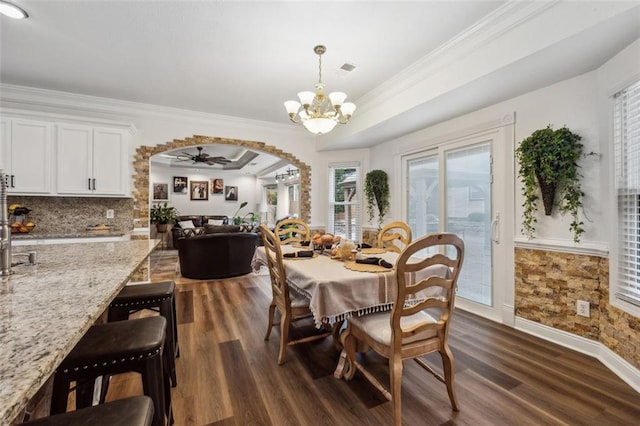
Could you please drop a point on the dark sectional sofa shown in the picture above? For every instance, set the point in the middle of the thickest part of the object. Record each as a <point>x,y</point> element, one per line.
<point>219,252</point>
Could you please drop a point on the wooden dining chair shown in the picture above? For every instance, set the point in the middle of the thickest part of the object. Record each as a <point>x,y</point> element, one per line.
<point>411,330</point>
<point>292,306</point>
<point>392,233</point>
<point>292,231</point>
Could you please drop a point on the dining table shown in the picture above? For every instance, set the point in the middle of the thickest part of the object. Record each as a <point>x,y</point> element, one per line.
<point>336,292</point>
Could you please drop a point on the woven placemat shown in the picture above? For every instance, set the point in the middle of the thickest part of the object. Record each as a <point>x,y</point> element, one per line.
<point>373,250</point>
<point>301,258</point>
<point>363,267</point>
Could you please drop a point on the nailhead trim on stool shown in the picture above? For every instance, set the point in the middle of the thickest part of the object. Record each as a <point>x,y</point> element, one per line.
<point>132,411</point>
<point>114,348</point>
<point>159,297</point>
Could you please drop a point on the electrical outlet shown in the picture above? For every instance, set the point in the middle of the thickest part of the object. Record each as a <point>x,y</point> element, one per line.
<point>582,308</point>
<point>110,214</point>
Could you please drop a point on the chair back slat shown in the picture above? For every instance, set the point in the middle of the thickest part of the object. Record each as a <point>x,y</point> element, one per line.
<point>393,233</point>
<point>273,252</point>
<point>407,292</point>
<point>295,231</point>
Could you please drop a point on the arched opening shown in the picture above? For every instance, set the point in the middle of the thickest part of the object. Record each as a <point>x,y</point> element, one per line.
<point>141,165</point>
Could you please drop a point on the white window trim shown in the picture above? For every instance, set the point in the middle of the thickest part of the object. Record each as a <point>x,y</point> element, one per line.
<point>614,255</point>
<point>359,193</point>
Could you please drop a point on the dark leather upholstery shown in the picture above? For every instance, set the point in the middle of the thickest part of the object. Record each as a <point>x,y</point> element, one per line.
<point>198,221</point>
<point>158,296</point>
<point>114,348</point>
<point>133,411</point>
<point>214,256</point>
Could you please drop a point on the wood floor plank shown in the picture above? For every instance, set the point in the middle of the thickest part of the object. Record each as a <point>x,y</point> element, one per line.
<point>228,374</point>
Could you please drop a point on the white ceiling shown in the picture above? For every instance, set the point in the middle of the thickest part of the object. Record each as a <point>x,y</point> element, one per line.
<point>244,59</point>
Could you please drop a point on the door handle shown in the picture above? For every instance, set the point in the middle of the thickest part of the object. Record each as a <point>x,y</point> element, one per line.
<point>495,229</point>
<point>89,181</point>
<point>94,184</point>
<point>13,181</point>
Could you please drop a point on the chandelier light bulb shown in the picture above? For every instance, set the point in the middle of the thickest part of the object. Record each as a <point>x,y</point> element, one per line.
<point>12,11</point>
<point>317,112</point>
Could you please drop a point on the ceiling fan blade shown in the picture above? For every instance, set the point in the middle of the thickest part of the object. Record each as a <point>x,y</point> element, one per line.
<point>221,160</point>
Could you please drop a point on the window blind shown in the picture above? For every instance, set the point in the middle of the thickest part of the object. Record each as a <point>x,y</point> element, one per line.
<point>626,135</point>
<point>344,216</point>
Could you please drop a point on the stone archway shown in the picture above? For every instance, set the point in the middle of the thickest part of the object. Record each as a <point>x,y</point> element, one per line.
<point>141,172</point>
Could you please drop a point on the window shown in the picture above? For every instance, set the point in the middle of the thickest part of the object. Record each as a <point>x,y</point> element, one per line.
<point>626,138</point>
<point>344,201</point>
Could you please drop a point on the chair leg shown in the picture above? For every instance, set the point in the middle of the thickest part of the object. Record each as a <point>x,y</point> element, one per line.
<point>349,342</point>
<point>272,311</point>
<point>153,385</point>
<point>448,368</point>
<point>166,311</point>
<point>59,395</point>
<point>84,393</point>
<point>284,336</point>
<point>395,370</point>
<point>175,326</point>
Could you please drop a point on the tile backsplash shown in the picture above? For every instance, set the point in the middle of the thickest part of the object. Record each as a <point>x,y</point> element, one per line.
<point>71,215</point>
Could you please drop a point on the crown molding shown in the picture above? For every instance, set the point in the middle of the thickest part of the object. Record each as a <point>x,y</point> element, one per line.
<point>30,98</point>
<point>55,117</point>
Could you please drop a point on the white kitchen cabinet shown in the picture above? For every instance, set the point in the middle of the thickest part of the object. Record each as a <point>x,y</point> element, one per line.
<point>92,161</point>
<point>27,155</point>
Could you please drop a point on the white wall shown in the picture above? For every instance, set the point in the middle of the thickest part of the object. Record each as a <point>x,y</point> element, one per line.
<point>572,103</point>
<point>216,204</point>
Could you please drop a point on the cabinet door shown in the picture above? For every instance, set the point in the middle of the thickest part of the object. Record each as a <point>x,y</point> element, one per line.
<point>31,157</point>
<point>110,162</point>
<point>5,147</point>
<point>74,159</point>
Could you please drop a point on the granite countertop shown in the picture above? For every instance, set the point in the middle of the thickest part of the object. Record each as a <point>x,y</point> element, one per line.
<point>45,309</point>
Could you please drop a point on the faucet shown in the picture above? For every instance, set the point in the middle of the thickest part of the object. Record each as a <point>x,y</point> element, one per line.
<point>5,229</point>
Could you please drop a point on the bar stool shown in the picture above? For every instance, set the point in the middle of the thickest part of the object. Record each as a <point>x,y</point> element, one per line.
<point>158,297</point>
<point>114,348</point>
<point>132,411</point>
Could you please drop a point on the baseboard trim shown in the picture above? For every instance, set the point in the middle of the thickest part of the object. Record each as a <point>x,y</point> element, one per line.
<point>618,365</point>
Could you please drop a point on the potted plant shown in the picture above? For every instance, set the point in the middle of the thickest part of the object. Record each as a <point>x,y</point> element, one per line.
<point>162,215</point>
<point>376,190</point>
<point>549,161</point>
<point>237,220</point>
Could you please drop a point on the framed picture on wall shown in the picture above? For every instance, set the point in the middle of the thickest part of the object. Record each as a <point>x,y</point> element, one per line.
<point>217,186</point>
<point>231,193</point>
<point>199,189</point>
<point>180,184</point>
<point>160,191</point>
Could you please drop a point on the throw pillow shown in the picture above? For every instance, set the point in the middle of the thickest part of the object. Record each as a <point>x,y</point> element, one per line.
<point>215,222</point>
<point>215,229</point>
<point>186,224</point>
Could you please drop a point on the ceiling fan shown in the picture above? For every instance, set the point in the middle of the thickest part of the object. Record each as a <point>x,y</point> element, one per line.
<point>202,157</point>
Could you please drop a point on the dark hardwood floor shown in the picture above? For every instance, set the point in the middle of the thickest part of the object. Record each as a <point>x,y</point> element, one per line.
<point>228,375</point>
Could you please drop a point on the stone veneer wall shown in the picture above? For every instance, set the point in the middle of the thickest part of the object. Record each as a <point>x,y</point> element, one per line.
<point>547,286</point>
<point>59,216</point>
<point>144,153</point>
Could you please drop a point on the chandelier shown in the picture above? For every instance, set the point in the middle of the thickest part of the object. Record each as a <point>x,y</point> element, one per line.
<point>320,113</point>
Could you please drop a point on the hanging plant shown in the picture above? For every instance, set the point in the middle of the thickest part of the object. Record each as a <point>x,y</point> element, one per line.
<point>376,190</point>
<point>549,161</point>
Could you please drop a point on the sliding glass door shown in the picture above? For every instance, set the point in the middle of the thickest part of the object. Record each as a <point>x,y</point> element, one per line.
<point>449,190</point>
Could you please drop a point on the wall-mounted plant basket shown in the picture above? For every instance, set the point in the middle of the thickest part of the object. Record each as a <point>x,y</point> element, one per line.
<point>549,164</point>
<point>376,190</point>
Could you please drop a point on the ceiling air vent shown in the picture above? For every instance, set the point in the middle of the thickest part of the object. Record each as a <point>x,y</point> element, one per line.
<point>348,67</point>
